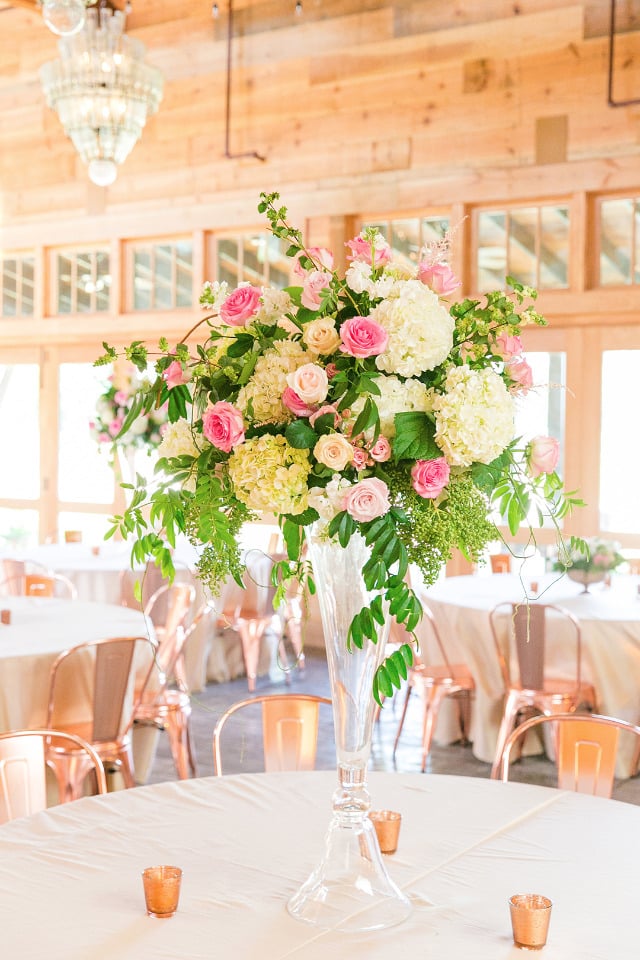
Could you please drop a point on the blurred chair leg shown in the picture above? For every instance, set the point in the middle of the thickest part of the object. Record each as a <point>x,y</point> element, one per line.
<point>126,767</point>
<point>294,632</point>
<point>177,727</point>
<point>432,698</point>
<point>251,631</point>
<point>507,724</point>
<point>403,715</point>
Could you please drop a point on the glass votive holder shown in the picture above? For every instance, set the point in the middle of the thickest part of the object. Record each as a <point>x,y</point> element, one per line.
<point>161,890</point>
<point>387,827</point>
<point>534,586</point>
<point>95,551</point>
<point>530,915</point>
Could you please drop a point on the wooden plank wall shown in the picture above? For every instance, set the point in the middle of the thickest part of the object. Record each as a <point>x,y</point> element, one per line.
<point>355,104</point>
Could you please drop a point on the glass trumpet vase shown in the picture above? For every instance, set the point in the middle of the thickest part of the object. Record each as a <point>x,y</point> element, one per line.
<point>350,888</point>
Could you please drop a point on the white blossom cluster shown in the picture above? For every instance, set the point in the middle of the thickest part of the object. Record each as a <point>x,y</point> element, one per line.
<point>474,416</point>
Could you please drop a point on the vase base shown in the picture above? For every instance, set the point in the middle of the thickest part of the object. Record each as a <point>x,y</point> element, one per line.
<point>350,890</point>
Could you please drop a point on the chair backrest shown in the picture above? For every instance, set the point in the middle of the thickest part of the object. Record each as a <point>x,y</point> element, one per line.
<point>23,789</point>
<point>289,730</point>
<point>169,609</point>
<point>150,579</point>
<point>586,746</point>
<point>255,598</point>
<point>527,625</point>
<point>500,562</point>
<point>92,686</point>
<point>39,585</point>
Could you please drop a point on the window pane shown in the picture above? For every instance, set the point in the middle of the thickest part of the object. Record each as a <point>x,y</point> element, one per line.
<point>492,250</point>
<point>522,259</point>
<point>184,286</point>
<point>18,529</point>
<point>434,228</point>
<point>27,287</point>
<point>636,272</point>
<point>64,285</point>
<point>103,281</point>
<point>19,391</point>
<point>83,472</point>
<point>227,257</point>
<point>542,410</point>
<point>619,453</point>
<point>616,230</point>
<point>405,240</point>
<point>253,258</point>
<point>85,284</point>
<point>141,280</point>
<point>554,247</point>
<point>9,288</point>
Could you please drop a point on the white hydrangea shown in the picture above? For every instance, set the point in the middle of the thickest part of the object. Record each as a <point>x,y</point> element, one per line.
<point>177,441</point>
<point>326,500</point>
<point>261,399</point>
<point>474,417</point>
<point>359,278</point>
<point>420,330</point>
<point>396,396</point>
<point>275,303</point>
<point>214,294</point>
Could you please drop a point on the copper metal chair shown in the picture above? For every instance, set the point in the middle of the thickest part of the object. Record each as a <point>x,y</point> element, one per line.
<point>159,706</point>
<point>39,585</point>
<point>289,730</point>
<point>500,563</point>
<point>528,685</point>
<point>433,683</point>
<point>23,765</point>
<point>150,580</point>
<point>93,694</point>
<point>585,747</point>
<point>249,610</point>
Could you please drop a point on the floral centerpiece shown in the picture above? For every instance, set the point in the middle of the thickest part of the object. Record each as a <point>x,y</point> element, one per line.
<point>112,410</point>
<point>370,403</point>
<point>590,560</point>
<point>375,419</point>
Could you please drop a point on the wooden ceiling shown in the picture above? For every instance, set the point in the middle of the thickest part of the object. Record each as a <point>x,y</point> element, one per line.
<point>385,100</point>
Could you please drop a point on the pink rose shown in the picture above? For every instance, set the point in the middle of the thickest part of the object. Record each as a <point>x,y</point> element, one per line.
<point>240,305</point>
<point>175,375</point>
<point>359,458</point>
<point>115,426</point>
<point>330,370</point>
<point>320,256</point>
<point>121,398</point>
<point>363,337</point>
<point>362,249</point>
<point>543,455</point>
<point>310,383</point>
<point>223,426</point>
<point>366,500</point>
<point>104,438</point>
<point>327,408</point>
<point>438,276</point>
<point>292,402</point>
<point>507,347</point>
<point>314,283</point>
<point>521,376</point>
<point>430,477</point>
<point>381,450</point>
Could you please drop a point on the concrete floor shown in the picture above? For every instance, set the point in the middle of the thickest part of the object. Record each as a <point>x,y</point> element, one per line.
<point>242,746</point>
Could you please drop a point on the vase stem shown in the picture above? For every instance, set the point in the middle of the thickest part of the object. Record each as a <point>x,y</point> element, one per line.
<point>350,888</point>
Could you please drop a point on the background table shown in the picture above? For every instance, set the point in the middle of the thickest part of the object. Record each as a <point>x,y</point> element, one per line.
<point>610,626</point>
<point>70,883</point>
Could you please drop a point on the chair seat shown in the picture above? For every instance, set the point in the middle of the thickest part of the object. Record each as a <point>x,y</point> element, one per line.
<point>560,689</point>
<point>165,701</point>
<point>457,675</point>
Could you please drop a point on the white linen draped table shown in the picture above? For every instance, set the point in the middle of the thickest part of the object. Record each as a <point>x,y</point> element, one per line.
<point>70,884</point>
<point>610,627</point>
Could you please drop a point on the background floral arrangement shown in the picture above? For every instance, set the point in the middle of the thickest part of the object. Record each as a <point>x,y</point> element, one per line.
<point>366,404</point>
<point>113,408</point>
<point>592,556</point>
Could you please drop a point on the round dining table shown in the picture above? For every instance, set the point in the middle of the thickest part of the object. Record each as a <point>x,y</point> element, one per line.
<point>609,618</point>
<point>70,877</point>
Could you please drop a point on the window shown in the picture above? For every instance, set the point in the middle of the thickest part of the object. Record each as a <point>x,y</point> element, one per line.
<point>408,236</point>
<point>83,281</point>
<point>619,241</point>
<point>542,412</point>
<point>162,275</point>
<point>531,244</point>
<point>17,286</point>
<point>619,451</point>
<point>258,258</point>
<point>84,476</point>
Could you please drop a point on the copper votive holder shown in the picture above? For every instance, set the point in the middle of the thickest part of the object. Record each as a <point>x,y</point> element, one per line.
<point>5,616</point>
<point>530,915</point>
<point>534,586</point>
<point>387,827</point>
<point>161,890</point>
<point>95,551</point>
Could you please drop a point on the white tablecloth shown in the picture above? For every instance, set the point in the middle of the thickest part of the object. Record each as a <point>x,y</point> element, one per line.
<point>610,626</point>
<point>70,882</point>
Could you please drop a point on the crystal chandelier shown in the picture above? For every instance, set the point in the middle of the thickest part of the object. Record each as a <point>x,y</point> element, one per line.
<point>102,91</point>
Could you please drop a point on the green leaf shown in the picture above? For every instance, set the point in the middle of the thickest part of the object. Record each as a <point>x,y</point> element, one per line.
<point>300,435</point>
<point>514,516</point>
<point>241,345</point>
<point>399,662</point>
<point>414,439</point>
<point>292,534</point>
